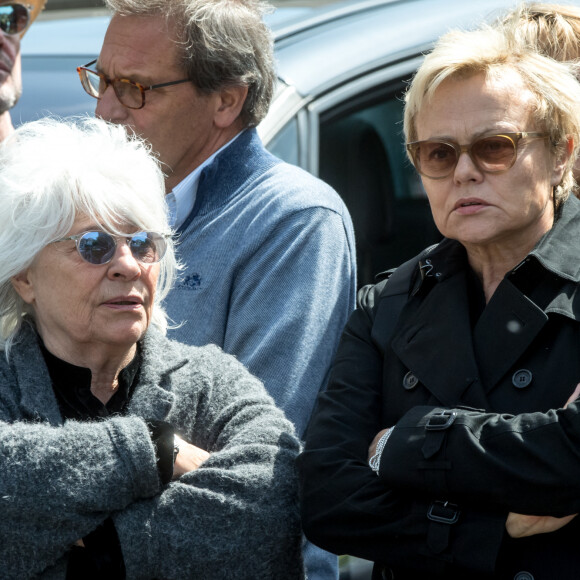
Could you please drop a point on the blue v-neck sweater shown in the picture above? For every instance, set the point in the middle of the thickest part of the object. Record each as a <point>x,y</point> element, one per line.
<point>269,272</point>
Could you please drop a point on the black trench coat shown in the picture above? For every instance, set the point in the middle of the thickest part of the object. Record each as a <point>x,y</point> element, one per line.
<point>480,425</point>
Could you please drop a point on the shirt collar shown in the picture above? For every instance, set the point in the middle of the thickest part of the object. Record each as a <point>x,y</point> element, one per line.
<point>181,199</point>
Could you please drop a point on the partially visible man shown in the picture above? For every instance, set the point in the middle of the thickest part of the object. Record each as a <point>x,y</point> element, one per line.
<point>15,19</point>
<point>268,249</point>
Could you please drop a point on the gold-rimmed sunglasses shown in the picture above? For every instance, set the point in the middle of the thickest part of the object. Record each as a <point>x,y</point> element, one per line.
<point>130,93</point>
<point>437,158</point>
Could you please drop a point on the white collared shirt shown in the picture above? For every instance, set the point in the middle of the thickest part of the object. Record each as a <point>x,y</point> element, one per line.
<point>181,199</point>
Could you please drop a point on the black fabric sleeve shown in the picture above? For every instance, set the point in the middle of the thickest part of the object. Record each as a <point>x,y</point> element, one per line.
<point>490,457</point>
<point>162,436</point>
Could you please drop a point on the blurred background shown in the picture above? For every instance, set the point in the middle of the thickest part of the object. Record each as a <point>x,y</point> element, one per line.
<point>78,4</point>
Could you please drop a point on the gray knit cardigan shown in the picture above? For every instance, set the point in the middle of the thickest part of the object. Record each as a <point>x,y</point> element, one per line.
<point>235,517</point>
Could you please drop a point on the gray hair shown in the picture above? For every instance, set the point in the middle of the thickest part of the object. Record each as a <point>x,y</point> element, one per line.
<point>53,172</point>
<point>223,43</point>
<point>488,51</point>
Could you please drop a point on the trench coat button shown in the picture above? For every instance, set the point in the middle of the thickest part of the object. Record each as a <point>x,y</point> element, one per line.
<point>521,379</point>
<point>410,381</point>
<point>523,576</point>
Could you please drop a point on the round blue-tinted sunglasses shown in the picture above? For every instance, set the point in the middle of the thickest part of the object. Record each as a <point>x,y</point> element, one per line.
<point>99,247</point>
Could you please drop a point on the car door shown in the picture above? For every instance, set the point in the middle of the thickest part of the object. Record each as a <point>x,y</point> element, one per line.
<point>352,138</point>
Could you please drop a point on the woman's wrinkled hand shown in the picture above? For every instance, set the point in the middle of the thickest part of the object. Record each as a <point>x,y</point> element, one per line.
<point>189,458</point>
<point>521,526</point>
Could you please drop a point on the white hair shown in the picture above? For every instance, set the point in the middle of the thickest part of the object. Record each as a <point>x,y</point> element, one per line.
<point>53,172</point>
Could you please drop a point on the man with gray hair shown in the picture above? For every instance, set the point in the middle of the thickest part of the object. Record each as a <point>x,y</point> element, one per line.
<point>268,249</point>
<point>15,19</point>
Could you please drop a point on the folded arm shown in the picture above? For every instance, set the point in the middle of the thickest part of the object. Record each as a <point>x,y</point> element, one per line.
<point>57,484</point>
<point>238,510</point>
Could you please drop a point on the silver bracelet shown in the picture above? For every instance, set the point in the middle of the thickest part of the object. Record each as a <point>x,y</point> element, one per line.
<point>375,460</point>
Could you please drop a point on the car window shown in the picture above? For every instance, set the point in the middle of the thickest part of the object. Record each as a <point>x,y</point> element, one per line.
<point>285,143</point>
<point>362,155</point>
<point>51,86</point>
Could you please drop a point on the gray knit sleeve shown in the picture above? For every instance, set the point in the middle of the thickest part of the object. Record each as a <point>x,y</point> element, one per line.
<point>57,483</point>
<point>237,515</point>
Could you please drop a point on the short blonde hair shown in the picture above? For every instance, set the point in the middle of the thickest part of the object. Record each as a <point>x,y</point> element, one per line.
<point>488,51</point>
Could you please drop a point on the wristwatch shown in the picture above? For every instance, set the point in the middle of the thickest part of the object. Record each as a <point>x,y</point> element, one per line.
<point>176,441</point>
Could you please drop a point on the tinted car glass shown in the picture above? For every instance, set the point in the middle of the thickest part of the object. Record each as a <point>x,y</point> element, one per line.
<point>362,156</point>
<point>285,143</point>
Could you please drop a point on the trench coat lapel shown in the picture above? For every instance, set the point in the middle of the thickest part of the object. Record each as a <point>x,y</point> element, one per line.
<point>506,328</point>
<point>435,341</point>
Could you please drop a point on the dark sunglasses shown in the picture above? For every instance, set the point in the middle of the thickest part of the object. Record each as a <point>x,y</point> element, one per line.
<point>130,93</point>
<point>100,247</point>
<point>14,18</point>
<point>437,158</point>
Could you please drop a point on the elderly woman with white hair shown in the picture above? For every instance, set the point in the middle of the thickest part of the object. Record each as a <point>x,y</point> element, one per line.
<point>447,444</point>
<point>122,454</point>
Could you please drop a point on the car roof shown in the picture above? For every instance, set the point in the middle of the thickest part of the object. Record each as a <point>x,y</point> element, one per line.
<point>66,34</point>
<point>354,28</point>
<point>81,32</point>
<point>318,46</point>
<point>365,35</point>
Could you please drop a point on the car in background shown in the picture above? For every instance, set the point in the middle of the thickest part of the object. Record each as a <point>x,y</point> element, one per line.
<point>337,110</point>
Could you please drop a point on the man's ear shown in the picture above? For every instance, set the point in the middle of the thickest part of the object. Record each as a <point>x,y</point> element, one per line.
<point>562,161</point>
<point>229,106</point>
<point>23,286</point>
